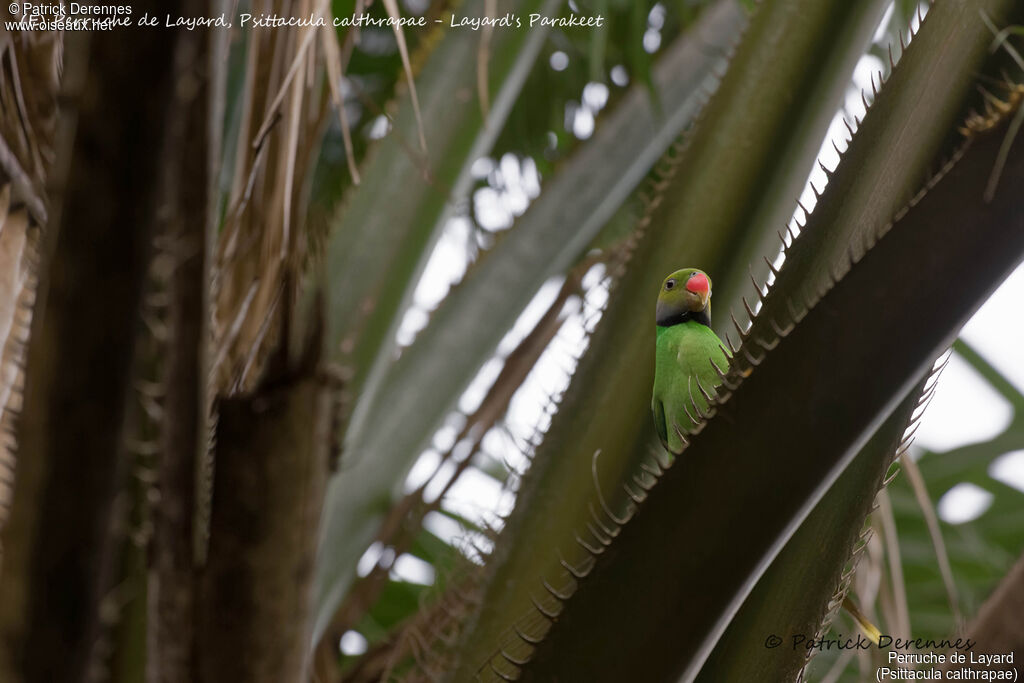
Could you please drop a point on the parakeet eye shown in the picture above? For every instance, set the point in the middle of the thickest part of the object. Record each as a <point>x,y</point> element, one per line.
<point>670,284</point>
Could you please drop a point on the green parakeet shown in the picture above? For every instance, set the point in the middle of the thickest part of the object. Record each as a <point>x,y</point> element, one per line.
<point>685,349</point>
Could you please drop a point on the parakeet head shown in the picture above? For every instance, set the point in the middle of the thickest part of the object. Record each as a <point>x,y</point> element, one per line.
<point>685,295</point>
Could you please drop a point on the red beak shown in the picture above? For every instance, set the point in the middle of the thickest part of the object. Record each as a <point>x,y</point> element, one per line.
<point>698,283</point>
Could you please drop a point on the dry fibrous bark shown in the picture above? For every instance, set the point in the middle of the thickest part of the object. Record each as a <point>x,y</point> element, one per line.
<point>254,598</point>
<point>103,200</point>
<point>188,221</point>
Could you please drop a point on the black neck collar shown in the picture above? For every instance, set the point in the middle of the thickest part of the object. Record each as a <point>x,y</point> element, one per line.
<point>701,317</point>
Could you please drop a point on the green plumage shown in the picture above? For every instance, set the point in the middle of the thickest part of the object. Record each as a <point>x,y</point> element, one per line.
<point>683,358</point>
<point>685,348</point>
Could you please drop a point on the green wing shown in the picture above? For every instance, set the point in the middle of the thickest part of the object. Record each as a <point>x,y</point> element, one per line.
<point>683,359</point>
<point>658,408</point>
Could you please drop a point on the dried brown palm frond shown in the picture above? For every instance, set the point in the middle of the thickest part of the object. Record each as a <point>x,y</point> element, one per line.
<point>263,242</point>
<point>28,119</point>
<point>28,115</point>
<point>18,249</point>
